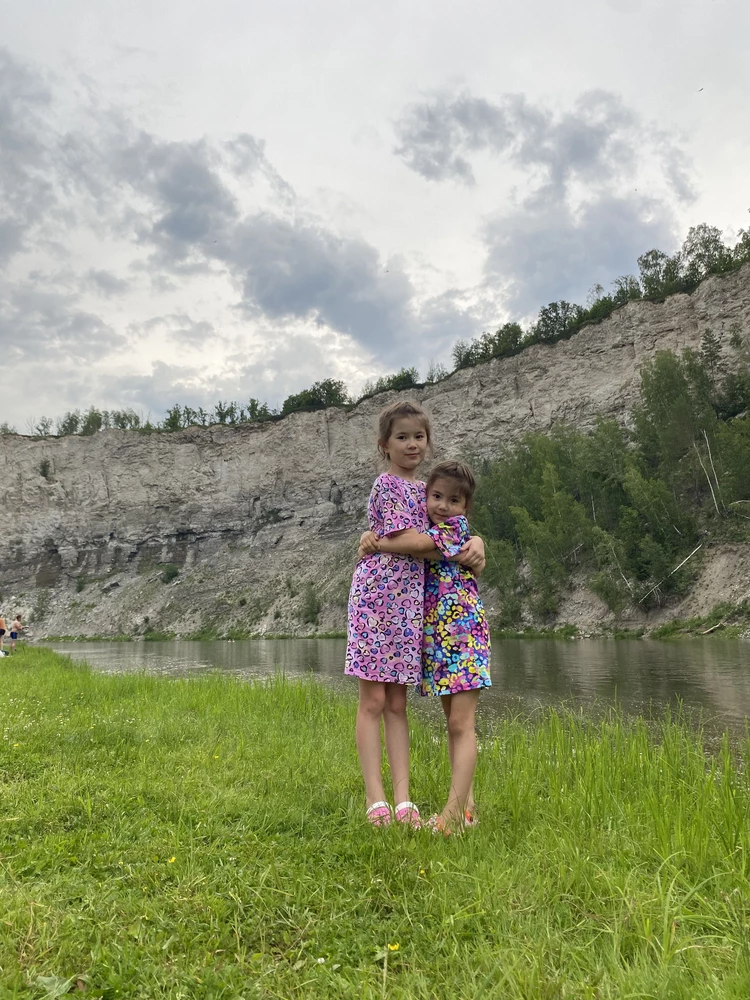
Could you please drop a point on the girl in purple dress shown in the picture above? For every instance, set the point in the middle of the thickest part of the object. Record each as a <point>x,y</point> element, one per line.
<point>456,647</point>
<point>386,609</point>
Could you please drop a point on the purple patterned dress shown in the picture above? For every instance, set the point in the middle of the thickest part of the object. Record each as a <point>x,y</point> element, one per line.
<point>386,601</point>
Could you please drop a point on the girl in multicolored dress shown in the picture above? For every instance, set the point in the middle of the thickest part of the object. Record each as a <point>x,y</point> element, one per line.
<point>456,648</point>
<point>386,608</point>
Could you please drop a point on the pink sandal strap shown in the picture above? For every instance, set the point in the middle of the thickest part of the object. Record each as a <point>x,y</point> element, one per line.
<point>408,812</point>
<point>379,814</point>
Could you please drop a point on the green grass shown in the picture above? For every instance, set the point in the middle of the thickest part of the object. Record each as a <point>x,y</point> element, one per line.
<point>726,620</point>
<point>204,838</point>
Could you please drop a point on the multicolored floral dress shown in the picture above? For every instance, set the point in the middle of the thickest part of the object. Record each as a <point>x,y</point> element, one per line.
<point>386,600</point>
<point>456,650</point>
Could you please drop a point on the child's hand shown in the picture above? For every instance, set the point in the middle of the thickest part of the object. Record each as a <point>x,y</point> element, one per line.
<point>472,555</point>
<point>368,544</point>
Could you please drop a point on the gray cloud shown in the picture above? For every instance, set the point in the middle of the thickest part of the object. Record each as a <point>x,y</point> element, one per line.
<point>550,252</point>
<point>579,218</point>
<point>433,135</point>
<point>179,328</point>
<point>297,268</point>
<point>189,202</point>
<point>105,283</point>
<point>46,323</point>
<point>247,157</point>
<point>26,181</point>
<point>285,263</point>
<point>599,141</point>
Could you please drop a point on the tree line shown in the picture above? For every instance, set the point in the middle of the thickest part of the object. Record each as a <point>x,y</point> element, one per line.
<point>702,254</point>
<point>628,510</point>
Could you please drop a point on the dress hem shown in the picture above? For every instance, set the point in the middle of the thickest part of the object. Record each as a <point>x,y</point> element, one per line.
<point>416,679</point>
<point>440,694</point>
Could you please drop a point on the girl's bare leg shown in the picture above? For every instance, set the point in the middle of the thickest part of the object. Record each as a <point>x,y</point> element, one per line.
<point>372,698</point>
<point>397,739</point>
<point>460,717</point>
<point>445,701</point>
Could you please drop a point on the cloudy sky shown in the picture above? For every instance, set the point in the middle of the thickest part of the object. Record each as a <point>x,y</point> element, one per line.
<point>210,201</point>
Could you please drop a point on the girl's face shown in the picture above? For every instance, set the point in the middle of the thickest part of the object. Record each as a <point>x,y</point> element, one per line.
<point>444,500</point>
<point>407,445</point>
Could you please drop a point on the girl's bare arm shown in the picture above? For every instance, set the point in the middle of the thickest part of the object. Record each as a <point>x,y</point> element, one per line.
<point>408,542</point>
<point>411,543</point>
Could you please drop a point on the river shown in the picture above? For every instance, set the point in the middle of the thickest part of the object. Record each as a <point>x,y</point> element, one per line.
<point>709,677</point>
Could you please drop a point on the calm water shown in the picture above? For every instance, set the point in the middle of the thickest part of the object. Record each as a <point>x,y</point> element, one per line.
<point>711,677</point>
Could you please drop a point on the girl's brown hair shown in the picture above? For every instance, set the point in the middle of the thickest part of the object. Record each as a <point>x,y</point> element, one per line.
<point>457,472</point>
<point>394,412</point>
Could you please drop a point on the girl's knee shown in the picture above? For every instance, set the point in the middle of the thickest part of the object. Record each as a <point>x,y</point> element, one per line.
<point>460,723</point>
<point>372,698</point>
<point>395,699</point>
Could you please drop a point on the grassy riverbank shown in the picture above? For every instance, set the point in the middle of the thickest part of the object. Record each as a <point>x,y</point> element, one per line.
<point>204,839</point>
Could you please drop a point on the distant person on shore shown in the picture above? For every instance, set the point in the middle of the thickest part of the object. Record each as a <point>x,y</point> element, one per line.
<point>2,632</point>
<point>456,648</point>
<point>15,631</point>
<point>386,607</point>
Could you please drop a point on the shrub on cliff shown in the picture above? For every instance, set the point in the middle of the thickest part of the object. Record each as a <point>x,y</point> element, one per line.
<point>406,378</point>
<point>169,572</point>
<point>320,395</point>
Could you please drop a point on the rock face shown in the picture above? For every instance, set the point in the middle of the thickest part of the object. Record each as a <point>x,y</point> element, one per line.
<point>260,519</point>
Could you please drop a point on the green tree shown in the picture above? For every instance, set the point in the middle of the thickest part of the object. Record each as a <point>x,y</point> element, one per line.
<point>660,274</point>
<point>173,419</point>
<point>125,419</point>
<point>674,413</point>
<point>508,339</point>
<point>627,289</point>
<point>44,427</point>
<point>92,421</point>
<point>461,354</point>
<point>255,410</point>
<point>69,424</point>
<point>406,378</point>
<point>555,541</point>
<point>710,355</point>
<point>436,371</point>
<point>741,250</point>
<point>704,253</point>
<point>556,321</point>
<point>329,392</point>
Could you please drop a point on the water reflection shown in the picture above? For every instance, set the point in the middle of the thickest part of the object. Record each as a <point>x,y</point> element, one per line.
<point>709,676</point>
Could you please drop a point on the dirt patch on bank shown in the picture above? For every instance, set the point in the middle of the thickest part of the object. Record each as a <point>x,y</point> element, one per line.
<point>724,577</point>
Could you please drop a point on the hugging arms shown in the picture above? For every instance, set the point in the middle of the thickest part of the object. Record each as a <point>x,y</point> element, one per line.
<point>411,542</point>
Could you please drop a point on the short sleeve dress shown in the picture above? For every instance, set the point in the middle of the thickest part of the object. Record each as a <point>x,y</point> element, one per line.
<point>386,600</point>
<point>456,651</point>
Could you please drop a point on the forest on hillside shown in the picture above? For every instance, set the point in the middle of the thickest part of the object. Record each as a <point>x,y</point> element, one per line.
<point>703,253</point>
<point>628,510</point>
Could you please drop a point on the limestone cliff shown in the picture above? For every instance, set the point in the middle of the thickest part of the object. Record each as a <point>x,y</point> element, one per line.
<point>260,519</point>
